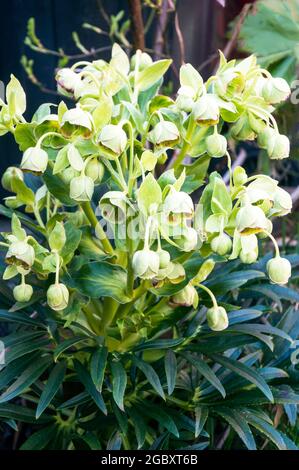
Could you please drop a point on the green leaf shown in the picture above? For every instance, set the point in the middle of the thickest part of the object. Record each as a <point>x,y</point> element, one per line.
<point>58,188</point>
<point>239,424</point>
<point>24,136</point>
<point>20,413</point>
<point>97,367</point>
<point>26,347</point>
<point>15,97</point>
<point>61,161</point>
<point>149,195</point>
<point>221,202</point>
<point>152,74</point>
<point>265,428</point>
<point>24,194</point>
<point>201,416</point>
<point>102,279</point>
<point>150,374</point>
<point>247,373</point>
<point>28,376</point>
<point>138,425</point>
<point>92,441</point>
<point>52,385</point>
<point>66,344</point>
<point>73,237</point>
<point>89,386</point>
<point>42,111</point>
<point>57,237</point>
<point>159,344</point>
<point>40,439</point>
<point>158,414</point>
<point>119,383</point>
<point>170,364</point>
<point>206,372</point>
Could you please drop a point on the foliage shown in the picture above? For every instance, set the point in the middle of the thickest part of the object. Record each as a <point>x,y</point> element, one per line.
<point>155,332</point>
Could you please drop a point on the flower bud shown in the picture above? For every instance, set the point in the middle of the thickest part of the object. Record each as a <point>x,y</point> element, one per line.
<point>249,257</point>
<point>23,292</point>
<point>58,296</point>
<point>186,297</point>
<point>178,203</point>
<point>67,80</point>
<point>275,90</point>
<point>165,133</point>
<point>279,270</point>
<point>216,145</point>
<point>81,188</point>
<point>249,249</point>
<point>146,263</point>
<point>164,259</point>
<point>21,254</point>
<point>188,240</point>
<point>278,147</point>
<point>217,318</point>
<point>95,170</point>
<point>239,176</point>
<point>69,174</point>
<point>242,129</point>
<point>34,160</point>
<point>114,138</point>
<point>221,244</point>
<point>251,219</point>
<point>11,173</point>
<point>206,110</point>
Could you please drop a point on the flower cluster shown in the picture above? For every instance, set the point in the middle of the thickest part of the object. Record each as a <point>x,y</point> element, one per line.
<point>108,149</point>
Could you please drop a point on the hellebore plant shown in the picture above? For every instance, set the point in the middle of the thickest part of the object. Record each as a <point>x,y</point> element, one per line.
<point>111,251</point>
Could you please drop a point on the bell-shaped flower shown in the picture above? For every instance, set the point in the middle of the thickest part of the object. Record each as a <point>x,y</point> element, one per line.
<point>10,174</point>
<point>77,117</point>
<point>146,263</point>
<point>251,219</point>
<point>186,297</point>
<point>206,110</point>
<point>95,170</point>
<point>67,80</point>
<point>21,254</point>
<point>113,138</point>
<point>278,146</point>
<point>216,145</point>
<point>249,249</point>
<point>221,244</point>
<point>165,134</point>
<point>275,90</point>
<point>81,188</point>
<point>34,160</point>
<point>217,318</point>
<point>176,204</point>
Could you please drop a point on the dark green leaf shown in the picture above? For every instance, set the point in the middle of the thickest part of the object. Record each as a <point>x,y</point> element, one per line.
<point>239,424</point>
<point>66,344</point>
<point>119,383</point>
<point>52,385</point>
<point>89,386</point>
<point>206,371</point>
<point>170,364</point>
<point>98,366</point>
<point>150,374</point>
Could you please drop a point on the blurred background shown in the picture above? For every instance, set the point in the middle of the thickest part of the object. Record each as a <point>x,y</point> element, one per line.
<point>40,36</point>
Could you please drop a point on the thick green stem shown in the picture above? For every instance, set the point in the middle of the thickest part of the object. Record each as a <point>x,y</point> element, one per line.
<point>186,145</point>
<point>86,206</point>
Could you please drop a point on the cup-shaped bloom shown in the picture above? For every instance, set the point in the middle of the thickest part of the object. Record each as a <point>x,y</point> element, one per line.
<point>113,138</point>
<point>216,145</point>
<point>242,129</point>
<point>67,80</point>
<point>164,259</point>
<point>279,270</point>
<point>275,90</point>
<point>34,160</point>
<point>81,188</point>
<point>146,263</point>
<point>21,254</point>
<point>249,249</point>
<point>206,110</point>
<point>251,219</point>
<point>221,244</point>
<point>58,296</point>
<point>95,170</point>
<point>278,146</point>
<point>186,297</point>
<point>77,117</point>
<point>265,136</point>
<point>11,173</point>
<point>165,134</point>
<point>178,203</point>
<point>23,292</point>
<point>217,318</point>
<point>69,174</point>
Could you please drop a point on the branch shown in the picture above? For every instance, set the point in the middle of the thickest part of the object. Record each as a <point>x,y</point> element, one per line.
<point>180,39</point>
<point>161,28</point>
<point>137,24</point>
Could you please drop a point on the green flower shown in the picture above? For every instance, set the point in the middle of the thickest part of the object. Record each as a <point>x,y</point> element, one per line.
<point>23,292</point>
<point>21,254</point>
<point>10,174</point>
<point>58,296</point>
<point>279,270</point>
<point>186,297</point>
<point>275,90</point>
<point>35,160</point>
<point>95,170</point>
<point>165,133</point>
<point>251,219</point>
<point>216,145</point>
<point>114,138</point>
<point>81,188</point>
<point>217,318</point>
<point>206,110</point>
<point>221,244</point>
<point>146,264</point>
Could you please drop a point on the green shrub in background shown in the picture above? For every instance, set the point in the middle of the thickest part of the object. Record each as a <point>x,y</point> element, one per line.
<point>155,333</point>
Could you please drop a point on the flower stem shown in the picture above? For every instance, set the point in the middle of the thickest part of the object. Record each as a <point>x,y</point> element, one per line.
<point>186,145</point>
<point>210,293</point>
<point>86,206</point>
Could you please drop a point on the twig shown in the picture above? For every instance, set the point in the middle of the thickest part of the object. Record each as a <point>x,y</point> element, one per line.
<point>161,28</point>
<point>61,54</point>
<point>180,38</point>
<point>137,24</point>
<point>103,12</point>
<point>237,28</point>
